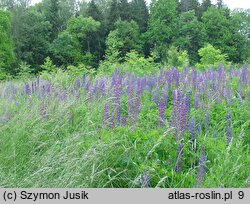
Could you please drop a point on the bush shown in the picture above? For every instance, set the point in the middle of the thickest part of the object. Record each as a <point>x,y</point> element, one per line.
<point>48,69</point>
<point>134,63</point>
<point>211,56</point>
<point>139,65</point>
<point>3,75</point>
<point>75,71</point>
<point>25,71</point>
<point>178,59</point>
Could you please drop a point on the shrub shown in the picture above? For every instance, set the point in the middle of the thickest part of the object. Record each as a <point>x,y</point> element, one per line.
<point>211,56</point>
<point>25,71</point>
<point>134,63</point>
<point>75,71</point>
<point>178,59</point>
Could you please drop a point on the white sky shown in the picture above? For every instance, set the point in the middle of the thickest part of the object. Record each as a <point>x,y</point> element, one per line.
<point>232,4</point>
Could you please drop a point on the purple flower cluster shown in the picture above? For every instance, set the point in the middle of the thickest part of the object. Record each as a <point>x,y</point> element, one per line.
<point>201,170</point>
<point>180,150</point>
<point>178,97</point>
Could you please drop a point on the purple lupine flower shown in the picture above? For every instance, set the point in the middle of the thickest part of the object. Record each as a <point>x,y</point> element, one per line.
<point>78,83</point>
<point>180,149</point>
<point>183,117</point>
<point>83,80</point>
<point>187,101</point>
<point>159,81</point>
<point>194,77</point>
<point>33,88</point>
<point>165,97</point>
<point>243,76</point>
<point>143,83</point>
<point>130,101</point>
<point>191,128</point>
<point>156,96</point>
<point>124,120</point>
<point>43,110</point>
<point>174,96</point>
<point>179,98</point>
<point>138,100</point>
<point>42,92</point>
<point>106,115</point>
<point>94,89</point>
<point>168,77</point>
<point>229,95</point>
<point>62,96</point>
<point>176,77</point>
<point>201,170</point>
<point>145,180</point>
<point>27,89</point>
<point>229,128</point>
<point>162,108</point>
<point>48,88</point>
<point>117,81</point>
<point>102,87</point>
<point>151,82</point>
<point>174,113</point>
<point>197,101</point>
<point>87,85</point>
<point>186,82</point>
<point>240,95</point>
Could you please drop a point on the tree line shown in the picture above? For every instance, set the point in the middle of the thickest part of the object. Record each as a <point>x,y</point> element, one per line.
<point>72,32</point>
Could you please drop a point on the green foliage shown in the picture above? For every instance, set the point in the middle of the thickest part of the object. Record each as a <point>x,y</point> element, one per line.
<point>73,32</point>
<point>204,6</point>
<point>49,70</point>
<point>240,23</point>
<point>70,143</point>
<point>218,31</point>
<point>6,45</point>
<point>66,49</point>
<point>188,5</point>
<point>139,65</point>
<point>123,39</point>
<point>25,71</point>
<point>97,40</point>
<point>31,34</point>
<point>140,14</point>
<point>211,56</point>
<point>133,63</point>
<point>73,46</point>
<point>53,16</point>
<point>48,65</point>
<point>81,27</point>
<point>84,30</point>
<point>178,59</point>
<point>113,14</point>
<point>78,71</point>
<point>162,25</point>
<point>191,35</point>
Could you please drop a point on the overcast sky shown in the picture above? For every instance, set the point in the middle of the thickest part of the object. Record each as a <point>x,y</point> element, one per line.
<point>232,4</point>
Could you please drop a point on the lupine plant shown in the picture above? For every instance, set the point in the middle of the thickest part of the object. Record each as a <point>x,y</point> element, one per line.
<point>184,128</point>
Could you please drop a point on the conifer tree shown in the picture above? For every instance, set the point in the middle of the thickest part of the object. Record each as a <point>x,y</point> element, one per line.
<point>140,14</point>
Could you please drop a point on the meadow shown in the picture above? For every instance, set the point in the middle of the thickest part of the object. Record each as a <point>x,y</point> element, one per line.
<point>172,129</point>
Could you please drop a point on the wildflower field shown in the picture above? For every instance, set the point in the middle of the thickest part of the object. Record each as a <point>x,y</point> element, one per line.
<point>184,128</point>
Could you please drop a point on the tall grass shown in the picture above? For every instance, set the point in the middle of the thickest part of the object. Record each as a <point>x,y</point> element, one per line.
<point>171,129</point>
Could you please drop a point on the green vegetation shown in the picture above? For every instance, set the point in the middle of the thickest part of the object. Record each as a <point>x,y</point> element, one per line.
<point>127,131</point>
<point>102,34</point>
<point>115,93</point>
